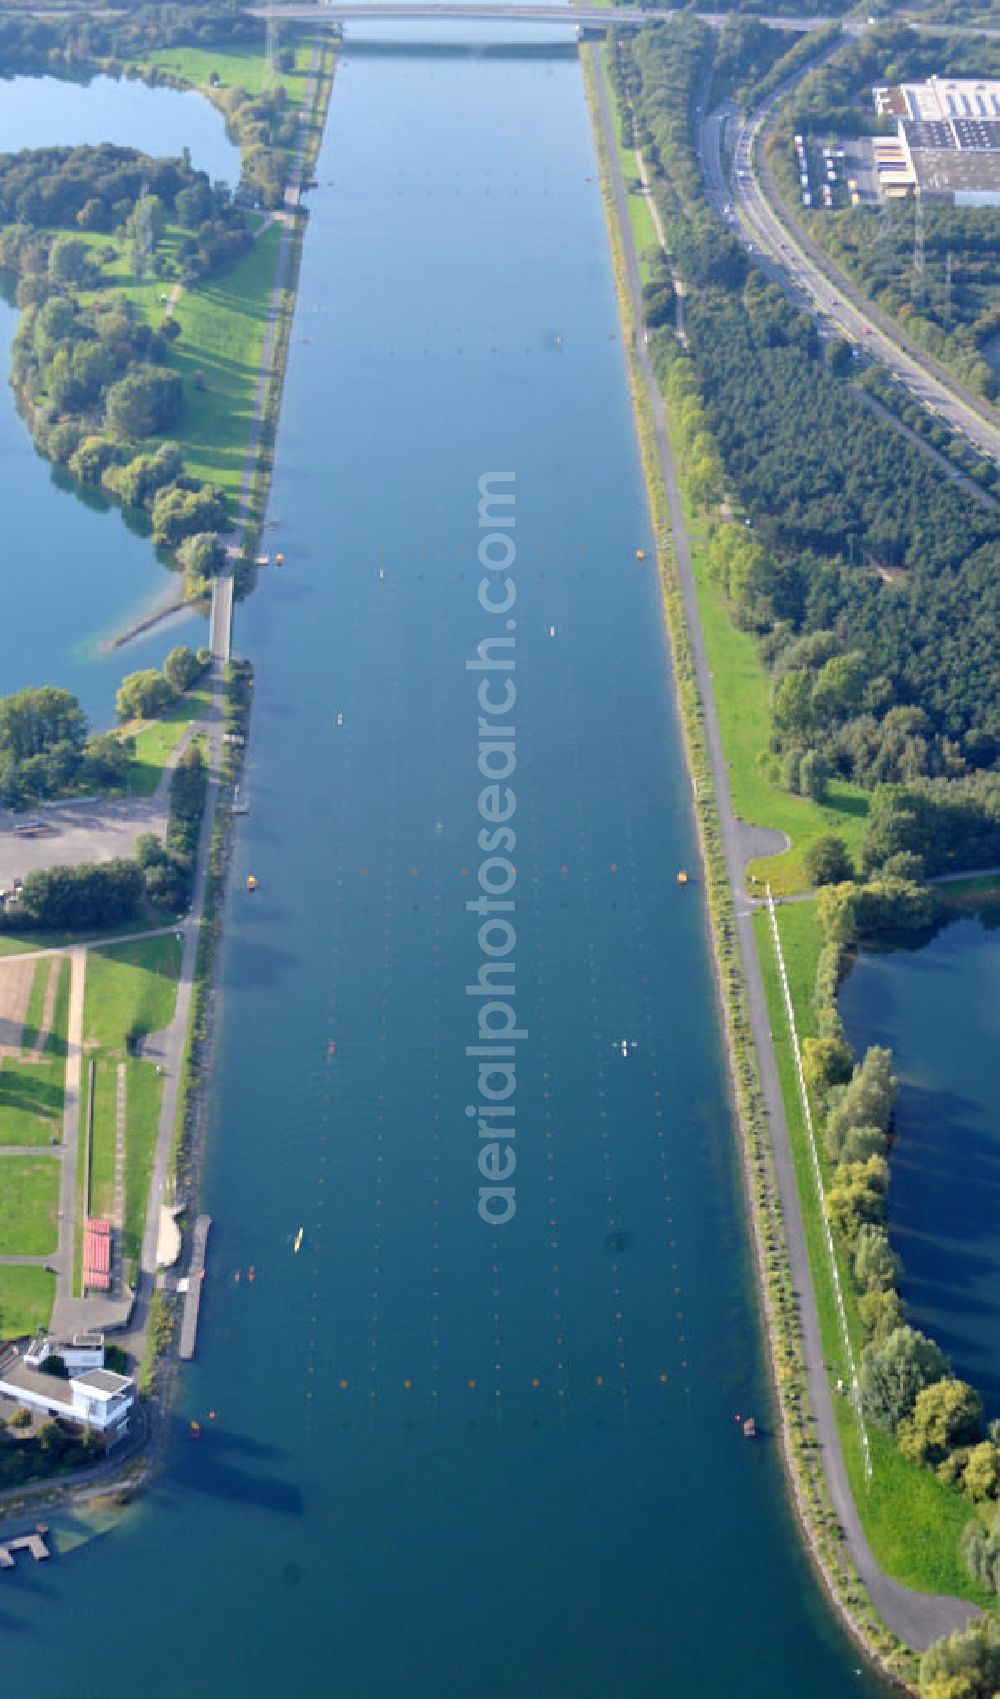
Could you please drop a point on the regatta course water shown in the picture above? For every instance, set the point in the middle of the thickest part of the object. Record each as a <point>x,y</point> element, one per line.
<point>451,1457</point>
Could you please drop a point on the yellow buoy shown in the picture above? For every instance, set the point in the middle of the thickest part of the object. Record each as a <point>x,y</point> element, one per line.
<point>640,554</point>
<point>682,877</point>
<point>251,882</point>
<point>279,560</point>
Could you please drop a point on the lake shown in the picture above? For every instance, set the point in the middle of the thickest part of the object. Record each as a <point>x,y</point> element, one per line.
<point>936,1008</point>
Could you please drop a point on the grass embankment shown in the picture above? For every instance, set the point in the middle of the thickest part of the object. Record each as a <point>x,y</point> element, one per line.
<point>912,1520</point>
<point>639,210</point>
<point>130,993</point>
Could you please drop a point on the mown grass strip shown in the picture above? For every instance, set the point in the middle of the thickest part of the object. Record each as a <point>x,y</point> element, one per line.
<point>34,1013</point>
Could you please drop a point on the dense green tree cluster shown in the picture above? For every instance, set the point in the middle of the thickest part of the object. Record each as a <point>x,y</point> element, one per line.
<point>89,898</point>
<point>147,694</point>
<point>942,827</point>
<point>965,1665</point>
<point>52,186</point>
<point>870,578</point>
<point>96,38</point>
<point>51,1450</point>
<point>92,377</point>
<point>745,51</point>
<point>44,748</point>
<point>865,537</point>
<point>168,868</point>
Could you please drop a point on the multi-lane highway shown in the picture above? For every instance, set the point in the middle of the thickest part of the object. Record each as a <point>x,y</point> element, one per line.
<point>744,198</point>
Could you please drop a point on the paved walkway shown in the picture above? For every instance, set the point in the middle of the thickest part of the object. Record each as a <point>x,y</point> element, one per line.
<point>62,1262</point>
<point>917,1618</point>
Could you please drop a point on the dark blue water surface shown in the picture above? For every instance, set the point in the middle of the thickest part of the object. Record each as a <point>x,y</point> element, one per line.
<point>447,1458</point>
<point>76,575</point>
<point>937,1010</point>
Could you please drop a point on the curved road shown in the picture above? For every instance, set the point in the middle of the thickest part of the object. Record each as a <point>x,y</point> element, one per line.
<point>814,280</point>
<point>917,1618</point>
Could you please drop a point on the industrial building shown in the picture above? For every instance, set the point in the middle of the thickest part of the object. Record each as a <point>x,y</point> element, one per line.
<point>947,142</point>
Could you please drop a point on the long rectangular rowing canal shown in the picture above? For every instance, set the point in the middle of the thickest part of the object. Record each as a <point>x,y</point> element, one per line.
<point>448,1450</point>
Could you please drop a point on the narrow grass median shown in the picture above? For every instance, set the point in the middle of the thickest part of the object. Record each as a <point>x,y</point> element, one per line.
<point>912,1520</point>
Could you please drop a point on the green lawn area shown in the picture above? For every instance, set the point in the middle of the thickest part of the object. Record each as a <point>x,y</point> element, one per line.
<point>235,66</point>
<point>223,323</point>
<point>742,698</point>
<point>130,989</point>
<point>29,1187</point>
<point>912,1520</point>
<point>155,740</point>
<point>35,1011</point>
<point>26,1296</point>
<point>145,293</point>
<point>31,1102</point>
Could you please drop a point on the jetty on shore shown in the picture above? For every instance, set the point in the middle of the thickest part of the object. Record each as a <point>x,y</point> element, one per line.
<point>192,1291</point>
<point>33,1544</point>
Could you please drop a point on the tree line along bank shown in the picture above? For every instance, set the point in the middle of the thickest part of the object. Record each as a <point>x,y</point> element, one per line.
<point>868,584</point>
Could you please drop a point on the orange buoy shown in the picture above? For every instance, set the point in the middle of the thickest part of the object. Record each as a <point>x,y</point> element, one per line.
<point>640,554</point>
<point>682,877</point>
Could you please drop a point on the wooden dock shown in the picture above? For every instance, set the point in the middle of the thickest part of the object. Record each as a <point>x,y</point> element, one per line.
<point>33,1544</point>
<point>192,1297</point>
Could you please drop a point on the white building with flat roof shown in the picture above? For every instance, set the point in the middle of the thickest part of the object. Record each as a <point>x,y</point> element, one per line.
<point>94,1397</point>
